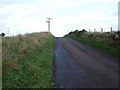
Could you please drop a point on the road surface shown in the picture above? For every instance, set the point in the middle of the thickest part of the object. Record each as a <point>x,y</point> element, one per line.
<point>78,65</point>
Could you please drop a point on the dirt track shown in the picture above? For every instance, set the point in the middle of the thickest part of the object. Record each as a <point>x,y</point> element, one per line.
<point>81,66</point>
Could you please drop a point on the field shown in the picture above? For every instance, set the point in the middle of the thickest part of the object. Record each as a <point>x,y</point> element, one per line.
<point>108,42</point>
<point>28,61</point>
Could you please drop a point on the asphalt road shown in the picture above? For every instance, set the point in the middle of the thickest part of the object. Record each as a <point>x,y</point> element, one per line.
<point>78,65</point>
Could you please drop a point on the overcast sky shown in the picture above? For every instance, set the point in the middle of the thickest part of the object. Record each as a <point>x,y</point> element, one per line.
<point>27,16</point>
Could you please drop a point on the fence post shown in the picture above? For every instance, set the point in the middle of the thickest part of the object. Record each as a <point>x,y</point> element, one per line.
<point>94,30</point>
<point>102,30</point>
<point>89,30</point>
<point>111,30</point>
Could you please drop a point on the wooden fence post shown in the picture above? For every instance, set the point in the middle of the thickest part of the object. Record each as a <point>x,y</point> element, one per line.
<point>102,30</point>
<point>111,30</point>
<point>89,30</point>
<point>94,30</point>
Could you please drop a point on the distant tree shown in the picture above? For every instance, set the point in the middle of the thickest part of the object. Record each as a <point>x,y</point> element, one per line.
<point>76,31</point>
<point>70,32</point>
<point>2,34</point>
<point>84,30</point>
<point>81,32</point>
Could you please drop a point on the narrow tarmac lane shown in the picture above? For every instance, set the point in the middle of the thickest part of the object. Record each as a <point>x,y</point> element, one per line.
<point>80,66</point>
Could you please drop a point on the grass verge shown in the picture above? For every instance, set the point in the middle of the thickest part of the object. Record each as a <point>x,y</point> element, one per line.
<point>31,67</point>
<point>110,49</point>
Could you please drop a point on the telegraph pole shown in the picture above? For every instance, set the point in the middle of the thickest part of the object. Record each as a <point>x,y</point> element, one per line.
<point>48,21</point>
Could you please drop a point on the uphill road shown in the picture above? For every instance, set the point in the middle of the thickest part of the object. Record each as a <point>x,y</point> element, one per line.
<point>78,65</point>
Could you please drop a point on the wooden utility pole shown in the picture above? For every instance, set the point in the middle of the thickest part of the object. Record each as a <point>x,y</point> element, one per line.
<point>48,23</point>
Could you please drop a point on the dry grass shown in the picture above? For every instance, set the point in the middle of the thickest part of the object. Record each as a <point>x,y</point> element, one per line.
<point>24,60</point>
<point>15,48</point>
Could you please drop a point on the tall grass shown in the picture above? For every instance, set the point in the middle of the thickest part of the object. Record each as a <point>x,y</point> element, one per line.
<point>27,61</point>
